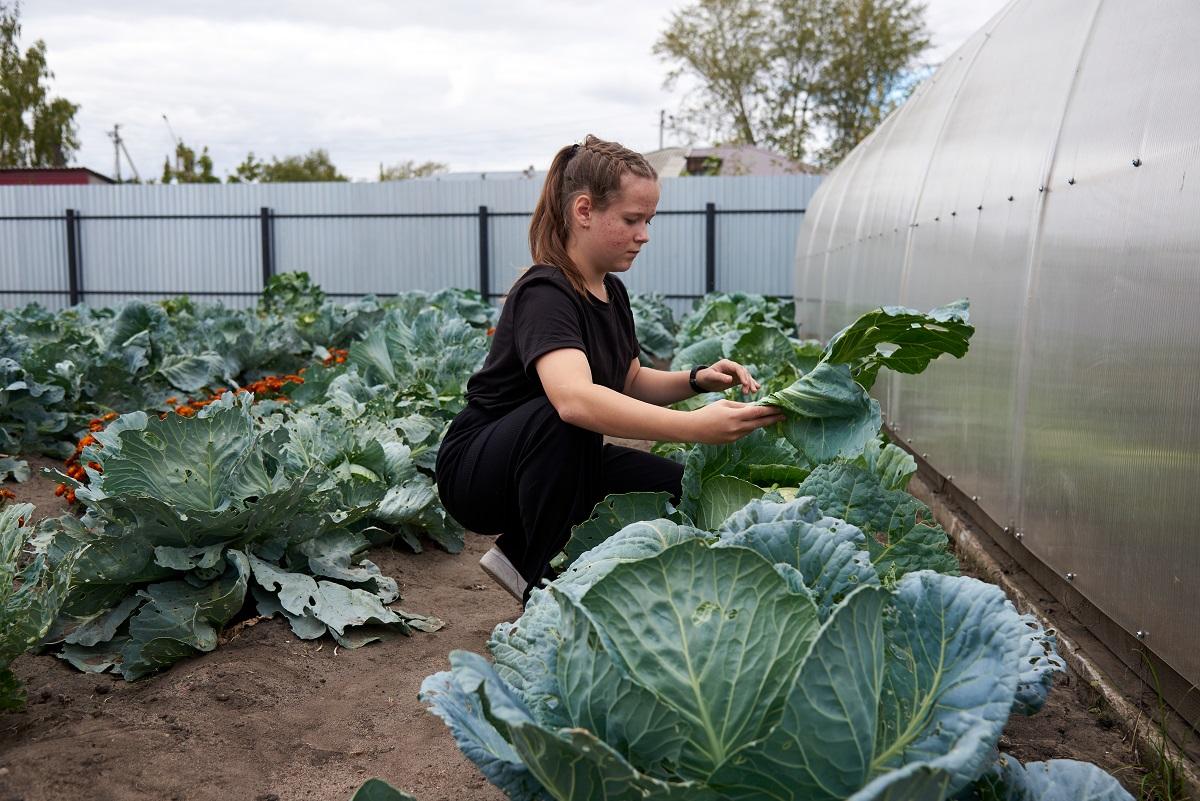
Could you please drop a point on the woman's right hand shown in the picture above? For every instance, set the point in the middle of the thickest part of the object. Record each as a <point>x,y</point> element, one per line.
<point>725,421</point>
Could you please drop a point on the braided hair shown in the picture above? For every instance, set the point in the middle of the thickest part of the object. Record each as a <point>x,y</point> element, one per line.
<point>594,168</point>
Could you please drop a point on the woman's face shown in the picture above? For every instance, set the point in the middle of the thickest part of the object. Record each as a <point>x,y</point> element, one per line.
<point>609,240</point>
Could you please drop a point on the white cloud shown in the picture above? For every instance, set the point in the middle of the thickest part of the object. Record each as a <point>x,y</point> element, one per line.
<point>481,86</point>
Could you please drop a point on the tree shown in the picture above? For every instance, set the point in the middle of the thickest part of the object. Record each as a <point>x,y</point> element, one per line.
<point>410,169</point>
<point>189,168</point>
<point>248,172</point>
<point>35,129</point>
<point>785,73</point>
<point>873,47</point>
<point>315,165</point>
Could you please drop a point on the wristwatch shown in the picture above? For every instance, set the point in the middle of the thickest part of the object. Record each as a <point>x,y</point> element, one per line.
<point>692,378</point>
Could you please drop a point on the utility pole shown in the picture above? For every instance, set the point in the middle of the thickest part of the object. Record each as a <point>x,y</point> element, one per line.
<point>118,149</point>
<point>115,136</point>
<point>662,122</point>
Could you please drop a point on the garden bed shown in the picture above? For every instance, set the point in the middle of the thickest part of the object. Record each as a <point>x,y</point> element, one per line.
<point>267,716</point>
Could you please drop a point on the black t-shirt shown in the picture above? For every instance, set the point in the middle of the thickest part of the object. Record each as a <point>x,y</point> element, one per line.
<point>543,312</point>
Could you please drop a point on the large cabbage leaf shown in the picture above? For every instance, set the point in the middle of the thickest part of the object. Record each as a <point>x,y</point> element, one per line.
<point>30,597</point>
<point>829,414</point>
<point>902,339</point>
<point>665,663</point>
<point>902,534</point>
<point>185,513</point>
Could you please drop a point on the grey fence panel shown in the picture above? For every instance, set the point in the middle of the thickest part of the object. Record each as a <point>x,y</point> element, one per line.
<point>362,255</point>
<point>1044,173</point>
<point>37,253</point>
<point>168,258</point>
<point>356,238</point>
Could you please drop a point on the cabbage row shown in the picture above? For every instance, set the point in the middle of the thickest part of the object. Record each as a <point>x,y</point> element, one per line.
<point>795,629</point>
<point>191,511</point>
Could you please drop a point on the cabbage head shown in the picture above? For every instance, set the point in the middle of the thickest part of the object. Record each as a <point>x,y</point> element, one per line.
<point>765,661</point>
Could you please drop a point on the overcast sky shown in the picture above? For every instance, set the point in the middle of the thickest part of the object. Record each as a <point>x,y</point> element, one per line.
<point>476,85</point>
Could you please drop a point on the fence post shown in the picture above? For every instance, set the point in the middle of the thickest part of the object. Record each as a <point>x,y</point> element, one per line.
<point>74,271</point>
<point>266,222</point>
<point>485,276</point>
<point>710,247</point>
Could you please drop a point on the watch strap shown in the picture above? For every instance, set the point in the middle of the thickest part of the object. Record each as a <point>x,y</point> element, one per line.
<point>692,378</point>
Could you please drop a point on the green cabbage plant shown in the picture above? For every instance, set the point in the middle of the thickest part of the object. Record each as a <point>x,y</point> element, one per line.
<point>765,661</point>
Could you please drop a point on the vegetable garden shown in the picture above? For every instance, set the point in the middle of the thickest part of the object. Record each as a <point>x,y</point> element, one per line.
<point>797,628</point>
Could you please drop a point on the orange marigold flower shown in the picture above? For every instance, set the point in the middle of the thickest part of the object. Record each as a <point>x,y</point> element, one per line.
<point>185,411</point>
<point>88,440</point>
<point>108,418</point>
<point>60,489</point>
<point>491,331</point>
<point>70,496</point>
<point>171,401</point>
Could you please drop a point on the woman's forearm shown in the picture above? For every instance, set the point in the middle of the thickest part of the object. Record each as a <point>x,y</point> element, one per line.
<point>598,408</point>
<point>660,387</point>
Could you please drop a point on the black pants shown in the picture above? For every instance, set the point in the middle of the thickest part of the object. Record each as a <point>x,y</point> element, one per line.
<point>530,478</point>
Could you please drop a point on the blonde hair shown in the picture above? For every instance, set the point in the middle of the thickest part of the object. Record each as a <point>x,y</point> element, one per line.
<point>594,168</point>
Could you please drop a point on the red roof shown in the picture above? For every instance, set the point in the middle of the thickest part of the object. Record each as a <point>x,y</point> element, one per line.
<point>51,176</point>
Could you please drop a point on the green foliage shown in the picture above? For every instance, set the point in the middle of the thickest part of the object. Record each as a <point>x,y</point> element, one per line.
<point>190,167</point>
<point>904,340</point>
<point>291,293</point>
<point>655,326</point>
<point>29,598</point>
<point>789,74</point>
<point>186,516</point>
<point>766,661</point>
<point>315,165</point>
<point>16,469</point>
<point>406,170</point>
<point>36,130</point>
<point>272,504</point>
<point>610,516</point>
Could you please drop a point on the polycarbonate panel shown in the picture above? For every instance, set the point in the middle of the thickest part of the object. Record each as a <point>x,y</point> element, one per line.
<point>1112,436</point>
<point>1048,172</point>
<point>959,249</point>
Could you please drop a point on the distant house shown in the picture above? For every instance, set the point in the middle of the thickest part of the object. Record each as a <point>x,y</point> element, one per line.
<point>723,160</point>
<point>529,173</point>
<point>51,176</point>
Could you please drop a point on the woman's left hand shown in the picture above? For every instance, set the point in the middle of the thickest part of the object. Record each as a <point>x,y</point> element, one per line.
<point>725,374</point>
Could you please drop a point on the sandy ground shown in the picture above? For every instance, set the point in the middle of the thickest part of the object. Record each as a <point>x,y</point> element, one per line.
<point>267,717</point>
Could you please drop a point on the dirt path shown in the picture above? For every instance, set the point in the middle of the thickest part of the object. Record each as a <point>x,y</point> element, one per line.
<point>267,717</point>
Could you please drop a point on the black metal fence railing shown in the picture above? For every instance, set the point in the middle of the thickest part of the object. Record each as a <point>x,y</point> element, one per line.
<point>77,286</point>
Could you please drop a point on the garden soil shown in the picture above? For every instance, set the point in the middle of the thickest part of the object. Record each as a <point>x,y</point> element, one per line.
<point>268,717</point>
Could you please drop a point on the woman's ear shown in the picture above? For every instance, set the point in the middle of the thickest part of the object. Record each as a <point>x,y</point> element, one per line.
<point>581,210</point>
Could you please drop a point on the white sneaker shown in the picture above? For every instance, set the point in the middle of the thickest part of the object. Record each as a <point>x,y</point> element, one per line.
<point>496,565</point>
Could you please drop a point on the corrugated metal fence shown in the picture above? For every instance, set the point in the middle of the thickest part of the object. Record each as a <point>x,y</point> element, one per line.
<point>103,244</point>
